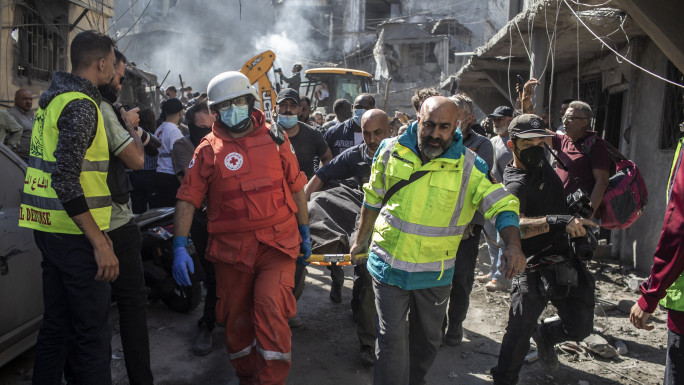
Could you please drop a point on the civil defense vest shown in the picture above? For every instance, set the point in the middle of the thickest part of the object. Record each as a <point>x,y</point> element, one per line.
<point>41,209</point>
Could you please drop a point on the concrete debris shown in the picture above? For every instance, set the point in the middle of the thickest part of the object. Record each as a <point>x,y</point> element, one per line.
<point>625,305</point>
<point>598,345</point>
<point>453,374</point>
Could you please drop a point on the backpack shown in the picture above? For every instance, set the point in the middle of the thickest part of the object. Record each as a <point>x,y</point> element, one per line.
<point>626,195</point>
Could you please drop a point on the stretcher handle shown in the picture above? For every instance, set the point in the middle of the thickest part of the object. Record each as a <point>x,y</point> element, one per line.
<point>328,259</point>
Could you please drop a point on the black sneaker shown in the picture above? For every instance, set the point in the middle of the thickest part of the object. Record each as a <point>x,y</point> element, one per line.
<point>367,355</point>
<point>202,345</point>
<point>546,352</point>
<point>454,335</point>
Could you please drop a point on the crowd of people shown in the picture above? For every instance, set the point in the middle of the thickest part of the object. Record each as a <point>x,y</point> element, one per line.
<point>244,188</point>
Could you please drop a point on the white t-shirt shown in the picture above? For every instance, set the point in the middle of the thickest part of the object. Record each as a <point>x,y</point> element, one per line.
<point>168,133</point>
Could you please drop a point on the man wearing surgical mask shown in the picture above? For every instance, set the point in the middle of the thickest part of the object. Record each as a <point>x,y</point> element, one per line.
<point>348,133</point>
<point>307,142</point>
<point>258,226</point>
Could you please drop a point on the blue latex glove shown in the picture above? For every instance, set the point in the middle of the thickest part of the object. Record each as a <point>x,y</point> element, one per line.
<point>182,262</point>
<point>305,247</point>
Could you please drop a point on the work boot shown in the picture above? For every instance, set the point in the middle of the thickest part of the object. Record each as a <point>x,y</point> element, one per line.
<point>545,351</point>
<point>336,292</point>
<point>367,355</point>
<point>454,335</point>
<point>202,344</point>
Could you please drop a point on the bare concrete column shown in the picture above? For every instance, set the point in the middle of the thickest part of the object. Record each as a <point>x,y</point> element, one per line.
<point>539,51</point>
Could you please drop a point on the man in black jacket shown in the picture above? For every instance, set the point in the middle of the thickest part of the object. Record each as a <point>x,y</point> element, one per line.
<point>544,223</point>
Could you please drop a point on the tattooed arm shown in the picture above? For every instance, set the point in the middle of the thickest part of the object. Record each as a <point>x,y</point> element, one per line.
<point>530,227</point>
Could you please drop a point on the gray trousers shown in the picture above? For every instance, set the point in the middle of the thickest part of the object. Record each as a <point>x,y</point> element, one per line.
<point>405,350</point>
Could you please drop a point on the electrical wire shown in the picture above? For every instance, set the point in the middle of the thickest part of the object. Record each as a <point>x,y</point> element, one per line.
<point>614,51</point>
<point>136,22</point>
<point>124,13</point>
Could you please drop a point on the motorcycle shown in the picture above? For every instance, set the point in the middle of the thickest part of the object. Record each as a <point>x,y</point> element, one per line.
<point>156,227</point>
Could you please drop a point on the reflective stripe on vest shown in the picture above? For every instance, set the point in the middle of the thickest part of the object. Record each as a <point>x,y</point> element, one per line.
<point>674,297</point>
<point>41,208</point>
<point>419,247</point>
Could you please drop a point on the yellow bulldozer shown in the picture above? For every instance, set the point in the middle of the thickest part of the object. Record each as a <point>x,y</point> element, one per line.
<point>340,83</point>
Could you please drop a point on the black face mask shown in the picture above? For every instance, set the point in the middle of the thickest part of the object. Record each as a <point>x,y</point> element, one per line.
<point>532,157</point>
<point>197,133</point>
<point>108,93</point>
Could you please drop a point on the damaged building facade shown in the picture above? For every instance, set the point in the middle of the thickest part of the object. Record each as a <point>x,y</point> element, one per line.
<point>557,42</point>
<point>35,39</point>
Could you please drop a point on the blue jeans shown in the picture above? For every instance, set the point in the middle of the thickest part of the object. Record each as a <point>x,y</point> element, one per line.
<point>76,311</point>
<point>674,364</point>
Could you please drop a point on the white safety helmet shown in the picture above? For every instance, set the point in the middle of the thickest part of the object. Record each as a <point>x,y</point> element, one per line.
<point>229,85</point>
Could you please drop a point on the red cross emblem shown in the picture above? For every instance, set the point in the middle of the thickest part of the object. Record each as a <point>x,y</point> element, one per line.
<point>233,161</point>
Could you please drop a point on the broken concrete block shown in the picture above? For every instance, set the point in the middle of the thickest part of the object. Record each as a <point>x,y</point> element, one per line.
<point>625,305</point>
<point>598,345</point>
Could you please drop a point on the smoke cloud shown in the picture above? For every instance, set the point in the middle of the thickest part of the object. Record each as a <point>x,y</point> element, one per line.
<point>203,38</point>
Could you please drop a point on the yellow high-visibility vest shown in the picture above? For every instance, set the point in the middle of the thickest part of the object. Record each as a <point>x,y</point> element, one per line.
<point>674,299</point>
<point>41,209</point>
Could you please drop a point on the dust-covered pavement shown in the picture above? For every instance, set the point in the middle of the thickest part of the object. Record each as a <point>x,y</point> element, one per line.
<point>325,348</point>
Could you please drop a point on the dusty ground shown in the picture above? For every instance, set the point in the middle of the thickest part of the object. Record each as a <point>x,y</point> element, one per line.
<point>325,349</point>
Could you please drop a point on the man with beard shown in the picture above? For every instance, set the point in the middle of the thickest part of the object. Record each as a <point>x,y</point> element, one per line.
<point>258,225</point>
<point>69,209</point>
<point>355,162</point>
<point>129,291</point>
<point>423,191</point>
<point>199,122</point>
<point>501,117</point>
<point>545,226</point>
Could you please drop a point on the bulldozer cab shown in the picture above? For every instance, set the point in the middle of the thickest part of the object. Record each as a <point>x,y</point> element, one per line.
<point>325,85</point>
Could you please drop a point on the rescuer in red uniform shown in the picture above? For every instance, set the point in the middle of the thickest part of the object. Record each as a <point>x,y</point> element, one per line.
<point>258,225</point>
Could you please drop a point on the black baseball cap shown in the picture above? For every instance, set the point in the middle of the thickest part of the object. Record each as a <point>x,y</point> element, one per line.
<point>287,93</point>
<point>527,126</point>
<point>502,111</point>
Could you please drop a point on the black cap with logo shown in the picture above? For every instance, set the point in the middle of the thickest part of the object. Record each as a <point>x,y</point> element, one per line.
<point>287,93</point>
<point>527,126</point>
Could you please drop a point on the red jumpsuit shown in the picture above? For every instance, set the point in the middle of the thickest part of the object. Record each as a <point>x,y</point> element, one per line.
<point>253,242</point>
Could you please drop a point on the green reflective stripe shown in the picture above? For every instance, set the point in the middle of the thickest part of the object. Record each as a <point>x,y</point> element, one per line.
<point>411,267</point>
<point>379,191</point>
<point>420,230</point>
<point>87,165</point>
<point>492,198</point>
<point>243,352</point>
<point>55,204</point>
<point>676,163</point>
<point>385,159</point>
<point>468,165</point>
<point>271,355</point>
